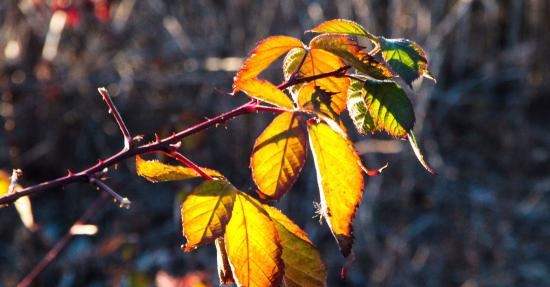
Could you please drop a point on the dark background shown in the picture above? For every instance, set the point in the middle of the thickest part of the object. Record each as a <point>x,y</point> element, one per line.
<point>483,220</point>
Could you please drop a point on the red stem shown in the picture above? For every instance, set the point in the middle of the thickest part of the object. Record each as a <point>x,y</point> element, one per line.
<point>181,158</point>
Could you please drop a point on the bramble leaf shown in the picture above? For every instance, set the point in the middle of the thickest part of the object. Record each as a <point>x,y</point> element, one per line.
<point>418,153</point>
<point>406,58</point>
<point>253,245</point>
<point>352,53</point>
<point>155,171</point>
<point>290,63</point>
<point>279,155</point>
<point>358,110</point>
<point>303,264</point>
<point>265,91</point>
<point>340,180</point>
<point>224,268</point>
<point>342,26</point>
<point>206,212</point>
<point>265,53</point>
<point>389,107</point>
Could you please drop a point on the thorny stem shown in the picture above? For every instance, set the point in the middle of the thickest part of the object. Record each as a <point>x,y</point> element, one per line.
<point>61,244</point>
<point>160,145</point>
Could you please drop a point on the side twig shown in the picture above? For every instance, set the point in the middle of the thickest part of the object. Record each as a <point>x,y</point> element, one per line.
<point>114,111</point>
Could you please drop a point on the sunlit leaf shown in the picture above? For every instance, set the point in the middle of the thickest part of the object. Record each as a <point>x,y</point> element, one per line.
<point>303,264</point>
<point>206,212</point>
<point>406,58</point>
<point>22,205</point>
<point>253,245</point>
<point>358,110</point>
<point>417,152</point>
<point>290,64</point>
<point>352,53</point>
<point>279,155</point>
<point>389,107</point>
<point>155,171</point>
<point>265,91</point>
<point>265,53</point>
<point>340,180</point>
<point>224,268</point>
<point>342,26</point>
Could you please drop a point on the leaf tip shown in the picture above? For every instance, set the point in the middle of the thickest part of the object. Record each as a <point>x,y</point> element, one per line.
<point>344,243</point>
<point>418,153</point>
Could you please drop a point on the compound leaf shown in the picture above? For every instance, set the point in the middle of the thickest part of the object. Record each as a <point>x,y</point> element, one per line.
<point>303,264</point>
<point>342,26</point>
<point>340,181</point>
<point>253,245</point>
<point>155,171</point>
<point>279,155</point>
<point>206,212</point>
<point>352,53</point>
<point>406,58</point>
<point>389,107</point>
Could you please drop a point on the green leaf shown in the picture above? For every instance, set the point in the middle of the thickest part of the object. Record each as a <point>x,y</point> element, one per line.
<point>352,53</point>
<point>406,58</point>
<point>389,107</point>
<point>418,153</point>
<point>358,110</point>
<point>342,26</point>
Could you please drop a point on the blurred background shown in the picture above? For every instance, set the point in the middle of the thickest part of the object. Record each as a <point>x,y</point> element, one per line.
<point>483,220</point>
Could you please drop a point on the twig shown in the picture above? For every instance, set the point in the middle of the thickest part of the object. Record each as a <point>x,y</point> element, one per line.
<point>123,201</point>
<point>160,145</point>
<point>15,174</point>
<point>61,244</point>
<point>181,158</point>
<point>114,111</point>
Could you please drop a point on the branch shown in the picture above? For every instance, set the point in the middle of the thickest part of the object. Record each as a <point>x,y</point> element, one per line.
<point>123,201</point>
<point>336,73</point>
<point>61,244</point>
<point>187,162</point>
<point>114,111</point>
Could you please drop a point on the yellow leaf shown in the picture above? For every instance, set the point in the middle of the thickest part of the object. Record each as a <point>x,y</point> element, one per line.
<point>303,264</point>
<point>155,171</point>
<point>266,51</point>
<point>265,91</point>
<point>22,205</point>
<point>224,269</point>
<point>253,245</point>
<point>279,155</point>
<point>342,26</point>
<point>206,212</point>
<point>340,181</point>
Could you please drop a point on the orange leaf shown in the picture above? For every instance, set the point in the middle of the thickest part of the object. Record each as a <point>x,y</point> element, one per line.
<point>264,91</point>
<point>265,53</point>
<point>253,245</point>
<point>279,155</point>
<point>155,171</point>
<point>340,180</point>
<point>206,211</point>
<point>303,264</point>
<point>352,53</point>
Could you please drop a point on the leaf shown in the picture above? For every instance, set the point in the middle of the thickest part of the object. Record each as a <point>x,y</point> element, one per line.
<point>290,64</point>
<point>406,58</point>
<point>265,91</point>
<point>418,153</point>
<point>342,26</point>
<point>206,212</point>
<point>22,205</point>
<point>253,245</point>
<point>224,268</point>
<point>352,53</point>
<point>340,180</point>
<point>319,62</point>
<point>389,107</point>
<point>358,110</point>
<point>303,264</point>
<point>155,171</point>
<point>265,53</point>
<point>279,155</point>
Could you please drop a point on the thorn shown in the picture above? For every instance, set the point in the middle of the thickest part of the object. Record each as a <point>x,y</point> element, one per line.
<point>137,138</point>
<point>176,146</point>
<point>157,138</point>
<point>375,172</point>
<point>69,172</point>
